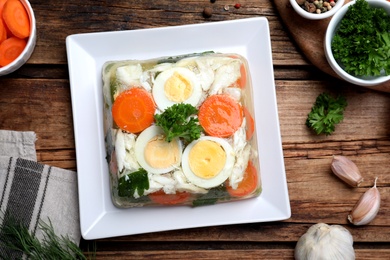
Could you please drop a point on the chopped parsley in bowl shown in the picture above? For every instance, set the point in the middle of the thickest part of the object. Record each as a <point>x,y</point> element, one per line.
<point>357,42</point>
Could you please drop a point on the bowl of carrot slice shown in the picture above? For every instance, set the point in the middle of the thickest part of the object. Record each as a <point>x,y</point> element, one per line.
<point>17,34</point>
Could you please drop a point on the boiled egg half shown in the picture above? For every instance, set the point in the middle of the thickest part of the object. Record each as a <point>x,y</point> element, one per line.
<point>208,161</point>
<point>176,85</point>
<point>155,154</point>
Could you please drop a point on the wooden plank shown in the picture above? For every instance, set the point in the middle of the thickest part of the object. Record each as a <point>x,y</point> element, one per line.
<point>283,232</point>
<point>56,20</point>
<point>365,109</point>
<point>42,106</point>
<point>228,254</point>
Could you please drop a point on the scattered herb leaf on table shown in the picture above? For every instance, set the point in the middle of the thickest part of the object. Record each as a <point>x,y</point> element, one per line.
<point>326,113</point>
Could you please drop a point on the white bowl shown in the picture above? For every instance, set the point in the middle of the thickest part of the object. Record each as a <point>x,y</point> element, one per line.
<point>330,32</point>
<point>28,50</point>
<point>315,16</point>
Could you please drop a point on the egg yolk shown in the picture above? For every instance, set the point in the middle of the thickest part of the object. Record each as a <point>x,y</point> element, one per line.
<point>161,154</point>
<point>177,88</point>
<point>207,159</point>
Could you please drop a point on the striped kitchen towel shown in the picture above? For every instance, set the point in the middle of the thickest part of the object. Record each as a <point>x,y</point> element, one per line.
<point>31,192</point>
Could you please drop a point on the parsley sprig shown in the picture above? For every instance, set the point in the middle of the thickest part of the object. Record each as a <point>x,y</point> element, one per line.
<point>361,45</point>
<point>326,113</point>
<point>134,182</point>
<point>179,121</point>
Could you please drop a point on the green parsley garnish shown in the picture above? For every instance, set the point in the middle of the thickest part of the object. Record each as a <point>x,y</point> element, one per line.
<point>133,182</point>
<point>179,121</point>
<point>326,113</point>
<point>361,45</point>
<point>212,196</point>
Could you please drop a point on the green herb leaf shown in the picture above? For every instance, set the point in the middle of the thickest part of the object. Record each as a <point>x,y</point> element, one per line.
<point>178,121</point>
<point>134,182</point>
<point>212,196</point>
<point>180,57</point>
<point>15,236</point>
<point>361,45</point>
<point>326,113</point>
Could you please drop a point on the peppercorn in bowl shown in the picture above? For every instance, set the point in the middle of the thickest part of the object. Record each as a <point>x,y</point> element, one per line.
<point>357,42</point>
<point>316,9</point>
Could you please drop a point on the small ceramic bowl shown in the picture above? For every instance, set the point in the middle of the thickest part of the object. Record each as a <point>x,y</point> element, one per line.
<point>330,32</point>
<point>28,50</point>
<point>315,16</point>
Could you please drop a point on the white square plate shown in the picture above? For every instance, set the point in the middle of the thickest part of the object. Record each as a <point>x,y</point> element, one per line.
<point>86,55</point>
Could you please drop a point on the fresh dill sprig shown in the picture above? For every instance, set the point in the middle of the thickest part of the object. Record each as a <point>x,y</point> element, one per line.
<point>15,236</point>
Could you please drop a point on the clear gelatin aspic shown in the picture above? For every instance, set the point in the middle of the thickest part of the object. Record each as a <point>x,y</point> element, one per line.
<point>180,130</point>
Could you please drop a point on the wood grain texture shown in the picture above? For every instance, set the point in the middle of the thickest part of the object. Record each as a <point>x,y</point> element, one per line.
<point>37,98</point>
<point>270,253</point>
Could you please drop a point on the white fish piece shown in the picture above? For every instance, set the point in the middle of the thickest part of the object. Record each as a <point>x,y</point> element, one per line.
<point>161,181</point>
<point>239,167</point>
<point>235,93</point>
<point>129,75</point>
<point>148,76</point>
<point>225,76</point>
<point>183,184</point>
<point>189,63</point>
<point>205,74</point>
<point>125,153</point>
<point>216,62</point>
<point>130,162</point>
<point>239,138</point>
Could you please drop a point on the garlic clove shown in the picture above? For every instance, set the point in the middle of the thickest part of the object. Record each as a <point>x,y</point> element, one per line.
<point>346,170</point>
<point>366,208</point>
<point>325,242</point>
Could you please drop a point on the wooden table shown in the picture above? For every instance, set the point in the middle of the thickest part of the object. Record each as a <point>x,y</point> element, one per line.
<point>37,98</point>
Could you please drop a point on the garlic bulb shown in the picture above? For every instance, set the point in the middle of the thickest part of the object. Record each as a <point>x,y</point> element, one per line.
<point>325,242</point>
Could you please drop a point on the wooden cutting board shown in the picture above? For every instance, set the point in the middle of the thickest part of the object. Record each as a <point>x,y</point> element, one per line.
<point>309,36</point>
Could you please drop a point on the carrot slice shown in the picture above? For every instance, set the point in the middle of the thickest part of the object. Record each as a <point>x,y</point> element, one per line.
<point>3,31</point>
<point>242,80</point>
<point>16,18</point>
<point>220,115</point>
<point>10,49</point>
<point>133,110</point>
<point>2,2</point>
<point>250,123</point>
<point>248,183</point>
<point>161,197</point>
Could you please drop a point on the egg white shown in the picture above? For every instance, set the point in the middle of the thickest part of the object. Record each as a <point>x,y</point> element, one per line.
<point>221,176</point>
<point>162,101</point>
<point>141,143</point>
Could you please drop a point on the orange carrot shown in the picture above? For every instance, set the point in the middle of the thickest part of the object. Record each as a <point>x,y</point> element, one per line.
<point>10,49</point>
<point>242,80</point>
<point>16,18</point>
<point>248,183</point>
<point>250,123</point>
<point>3,31</point>
<point>2,2</point>
<point>161,197</point>
<point>133,110</point>
<point>220,115</point>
